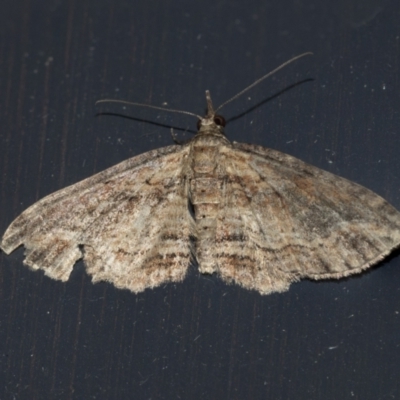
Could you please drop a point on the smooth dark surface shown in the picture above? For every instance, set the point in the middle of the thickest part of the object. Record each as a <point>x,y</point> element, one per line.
<point>200,339</point>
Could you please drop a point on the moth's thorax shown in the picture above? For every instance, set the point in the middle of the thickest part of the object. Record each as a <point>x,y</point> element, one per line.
<point>205,150</point>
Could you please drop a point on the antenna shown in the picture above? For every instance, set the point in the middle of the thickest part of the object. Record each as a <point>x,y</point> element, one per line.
<point>148,106</point>
<point>262,78</point>
<point>211,112</point>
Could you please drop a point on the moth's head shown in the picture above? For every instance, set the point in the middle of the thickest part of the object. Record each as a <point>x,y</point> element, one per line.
<point>211,123</point>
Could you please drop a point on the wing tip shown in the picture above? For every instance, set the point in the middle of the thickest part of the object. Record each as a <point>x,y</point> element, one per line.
<point>12,238</point>
<point>357,270</point>
<point>8,246</point>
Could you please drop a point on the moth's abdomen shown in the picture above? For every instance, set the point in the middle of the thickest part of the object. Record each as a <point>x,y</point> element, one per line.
<point>206,195</point>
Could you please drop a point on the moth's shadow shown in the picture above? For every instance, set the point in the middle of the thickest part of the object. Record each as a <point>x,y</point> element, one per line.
<point>147,121</point>
<point>268,99</point>
<point>193,132</point>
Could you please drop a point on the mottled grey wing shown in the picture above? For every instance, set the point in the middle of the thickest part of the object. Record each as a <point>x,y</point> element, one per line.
<point>132,220</point>
<point>284,220</point>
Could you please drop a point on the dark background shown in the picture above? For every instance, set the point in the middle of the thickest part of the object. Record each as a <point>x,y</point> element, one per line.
<point>200,339</point>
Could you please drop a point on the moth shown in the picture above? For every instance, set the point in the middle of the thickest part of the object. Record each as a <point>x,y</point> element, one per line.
<point>251,215</point>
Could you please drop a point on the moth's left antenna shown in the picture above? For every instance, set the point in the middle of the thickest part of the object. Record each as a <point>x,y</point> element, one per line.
<point>147,106</point>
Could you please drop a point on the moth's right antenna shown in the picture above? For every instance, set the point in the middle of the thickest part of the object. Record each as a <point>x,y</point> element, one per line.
<point>262,78</point>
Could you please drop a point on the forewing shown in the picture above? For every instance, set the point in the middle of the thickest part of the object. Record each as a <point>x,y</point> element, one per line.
<point>284,220</point>
<point>131,219</point>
